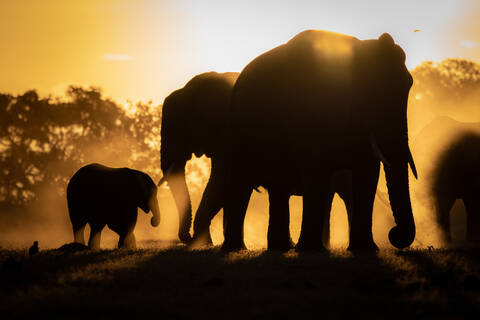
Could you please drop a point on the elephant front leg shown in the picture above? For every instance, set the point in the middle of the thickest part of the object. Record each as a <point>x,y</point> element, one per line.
<point>343,187</point>
<point>95,236</point>
<point>278,235</point>
<point>127,241</point>
<point>364,186</point>
<point>78,234</point>
<point>316,197</point>
<point>209,206</point>
<point>125,226</point>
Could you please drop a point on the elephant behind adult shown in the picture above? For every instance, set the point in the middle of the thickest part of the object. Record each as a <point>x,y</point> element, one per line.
<point>321,103</point>
<point>193,122</point>
<point>446,151</point>
<point>100,195</point>
<point>457,176</point>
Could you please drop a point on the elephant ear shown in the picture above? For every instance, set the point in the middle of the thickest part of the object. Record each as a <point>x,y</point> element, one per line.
<point>393,50</point>
<point>143,186</point>
<point>386,39</point>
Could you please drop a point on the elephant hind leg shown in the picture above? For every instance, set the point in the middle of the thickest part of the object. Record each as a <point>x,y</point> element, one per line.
<point>364,187</point>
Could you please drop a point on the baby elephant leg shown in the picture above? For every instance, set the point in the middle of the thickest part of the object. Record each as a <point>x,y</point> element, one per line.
<point>95,236</point>
<point>78,223</point>
<point>125,228</point>
<point>78,234</point>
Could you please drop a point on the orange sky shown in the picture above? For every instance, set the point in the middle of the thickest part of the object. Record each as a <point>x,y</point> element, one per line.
<point>144,49</point>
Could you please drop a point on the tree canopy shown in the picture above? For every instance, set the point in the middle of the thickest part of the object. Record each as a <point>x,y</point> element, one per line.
<point>43,141</point>
<point>448,88</point>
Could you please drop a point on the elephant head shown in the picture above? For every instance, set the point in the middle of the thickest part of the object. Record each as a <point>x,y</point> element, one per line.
<point>146,196</point>
<point>382,83</point>
<point>192,123</point>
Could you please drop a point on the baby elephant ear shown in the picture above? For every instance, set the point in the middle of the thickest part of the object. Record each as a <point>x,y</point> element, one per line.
<point>386,39</point>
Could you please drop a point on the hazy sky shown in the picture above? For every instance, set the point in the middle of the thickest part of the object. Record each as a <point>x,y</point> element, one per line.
<point>144,49</point>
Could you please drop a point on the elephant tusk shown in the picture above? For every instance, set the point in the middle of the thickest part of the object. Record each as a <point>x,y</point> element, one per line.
<point>167,173</point>
<point>377,151</point>
<point>412,164</point>
<point>161,181</point>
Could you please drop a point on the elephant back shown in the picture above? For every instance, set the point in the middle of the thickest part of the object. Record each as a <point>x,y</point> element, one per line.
<point>291,91</point>
<point>99,185</point>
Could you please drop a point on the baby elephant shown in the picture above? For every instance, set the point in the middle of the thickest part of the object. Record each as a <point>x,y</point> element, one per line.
<point>99,195</point>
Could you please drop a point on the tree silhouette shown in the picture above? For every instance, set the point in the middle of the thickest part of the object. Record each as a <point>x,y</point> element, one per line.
<point>43,141</point>
<point>448,88</point>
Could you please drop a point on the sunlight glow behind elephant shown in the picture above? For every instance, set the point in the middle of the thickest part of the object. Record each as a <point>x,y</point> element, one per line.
<point>337,49</point>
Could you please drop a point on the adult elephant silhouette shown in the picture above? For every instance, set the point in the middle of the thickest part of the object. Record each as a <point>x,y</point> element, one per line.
<point>100,195</point>
<point>321,103</point>
<point>193,122</point>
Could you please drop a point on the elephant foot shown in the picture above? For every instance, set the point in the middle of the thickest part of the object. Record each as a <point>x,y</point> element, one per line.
<point>201,241</point>
<point>185,238</point>
<point>229,246</point>
<point>282,246</point>
<point>368,247</point>
<point>310,247</point>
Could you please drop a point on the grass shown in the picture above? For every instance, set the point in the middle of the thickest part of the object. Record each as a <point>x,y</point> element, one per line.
<point>175,283</point>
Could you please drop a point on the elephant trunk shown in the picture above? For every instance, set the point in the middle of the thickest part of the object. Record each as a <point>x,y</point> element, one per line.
<point>403,234</point>
<point>175,176</point>
<point>153,205</point>
<point>390,144</point>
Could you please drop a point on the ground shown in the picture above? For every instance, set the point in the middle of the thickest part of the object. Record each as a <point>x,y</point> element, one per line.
<point>172,282</point>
